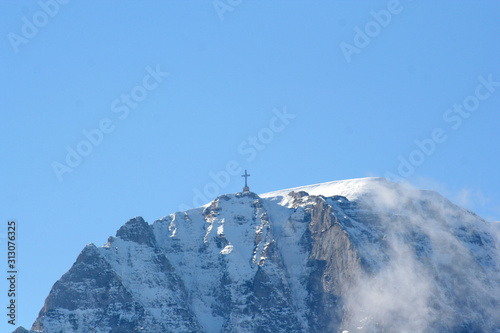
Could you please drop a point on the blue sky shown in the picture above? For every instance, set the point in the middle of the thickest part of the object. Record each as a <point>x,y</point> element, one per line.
<point>166,103</point>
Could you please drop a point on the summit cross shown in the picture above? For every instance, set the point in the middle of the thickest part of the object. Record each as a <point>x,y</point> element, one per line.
<point>246,175</point>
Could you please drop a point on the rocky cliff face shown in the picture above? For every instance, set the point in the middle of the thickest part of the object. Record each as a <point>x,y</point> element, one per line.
<point>363,255</point>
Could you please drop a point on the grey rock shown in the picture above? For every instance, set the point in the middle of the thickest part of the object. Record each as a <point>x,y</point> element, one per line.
<point>137,230</point>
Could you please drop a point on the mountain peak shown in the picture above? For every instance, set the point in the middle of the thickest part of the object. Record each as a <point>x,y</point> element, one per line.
<point>361,255</point>
<point>136,230</point>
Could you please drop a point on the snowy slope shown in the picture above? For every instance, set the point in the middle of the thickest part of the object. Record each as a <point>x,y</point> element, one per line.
<point>362,255</point>
<point>351,188</point>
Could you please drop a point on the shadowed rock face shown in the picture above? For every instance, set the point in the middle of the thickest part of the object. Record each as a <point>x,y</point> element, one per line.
<point>137,230</point>
<point>91,284</point>
<point>388,259</point>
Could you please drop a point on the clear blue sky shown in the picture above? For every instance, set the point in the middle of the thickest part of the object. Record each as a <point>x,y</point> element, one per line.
<point>353,88</point>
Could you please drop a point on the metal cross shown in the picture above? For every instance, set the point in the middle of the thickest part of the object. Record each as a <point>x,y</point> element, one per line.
<point>246,175</point>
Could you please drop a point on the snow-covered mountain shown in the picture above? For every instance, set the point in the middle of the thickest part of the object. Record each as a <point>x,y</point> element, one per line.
<point>362,255</point>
